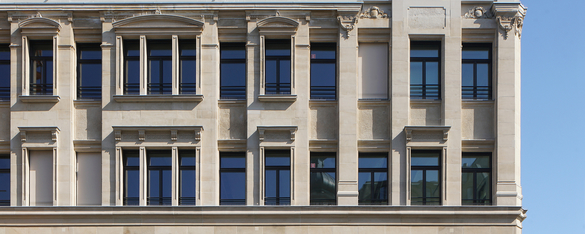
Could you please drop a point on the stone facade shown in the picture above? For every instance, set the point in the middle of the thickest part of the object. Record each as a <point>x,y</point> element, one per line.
<point>64,126</point>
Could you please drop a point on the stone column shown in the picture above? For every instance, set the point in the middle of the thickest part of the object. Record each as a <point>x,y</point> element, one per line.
<point>347,193</point>
<point>509,17</point>
<point>109,180</point>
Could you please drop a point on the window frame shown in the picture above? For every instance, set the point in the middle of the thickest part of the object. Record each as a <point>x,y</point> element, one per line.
<point>278,198</point>
<point>326,89</point>
<point>184,85</point>
<point>372,172</point>
<point>126,85</point>
<point>231,170</point>
<point>278,58</point>
<point>46,89</point>
<point>161,200</point>
<point>6,170</point>
<point>182,153</point>
<point>475,171</point>
<point>126,168</point>
<point>426,88</point>
<point>224,61</point>
<point>475,87</point>
<point>424,169</point>
<point>162,87</point>
<point>323,170</point>
<point>5,91</point>
<point>95,91</point>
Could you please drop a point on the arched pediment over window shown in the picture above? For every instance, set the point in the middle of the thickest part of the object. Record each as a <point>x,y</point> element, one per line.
<point>277,25</point>
<point>159,23</point>
<point>39,23</point>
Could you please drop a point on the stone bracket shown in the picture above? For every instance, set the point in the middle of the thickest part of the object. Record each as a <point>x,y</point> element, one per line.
<point>443,129</point>
<point>54,132</point>
<point>143,131</point>
<point>262,130</point>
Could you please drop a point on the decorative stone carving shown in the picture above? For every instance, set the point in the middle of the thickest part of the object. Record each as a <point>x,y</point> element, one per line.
<point>173,134</point>
<point>157,133</point>
<point>347,22</point>
<point>478,13</point>
<point>141,135</point>
<point>426,132</point>
<point>262,132</point>
<point>38,133</point>
<point>510,16</point>
<point>373,12</point>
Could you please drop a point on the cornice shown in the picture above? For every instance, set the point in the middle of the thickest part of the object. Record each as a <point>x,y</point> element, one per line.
<point>510,16</point>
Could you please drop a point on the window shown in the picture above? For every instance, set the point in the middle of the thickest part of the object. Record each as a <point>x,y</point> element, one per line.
<point>159,177</point>
<point>188,66</point>
<point>5,180</point>
<point>373,60</point>
<point>131,177</point>
<point>425,67</point>
<point>277,177</point>
<point>41,68</point>
<point>89,179</point>
<point>373,179</point>
<point>160,59</point>
<point>425,177</point>
<point>476,186</point>
<point>4,72</point>
<point>89,71</point>
<point>323,70</point>
<point>132,67</point>
<point>232,177</point>
<point>278,65</point>
<point>476,71</point>
<point>233,70</point>
<point>41,178</point>
<point>187,177</point>
<point>323,181</point>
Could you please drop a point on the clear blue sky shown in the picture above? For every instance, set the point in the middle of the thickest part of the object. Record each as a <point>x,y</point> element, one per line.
<point>553,116</point>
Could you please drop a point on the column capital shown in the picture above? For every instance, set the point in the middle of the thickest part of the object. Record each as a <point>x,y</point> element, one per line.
<point>509,16</point>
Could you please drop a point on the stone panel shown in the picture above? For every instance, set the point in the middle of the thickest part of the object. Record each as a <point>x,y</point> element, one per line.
<point>426,17</point>
<point>323,122</point>
<point>232,122</point>
<point>88,123</point>
<point>425,113</point>
<point>477,121</point>
<point>374,122</point>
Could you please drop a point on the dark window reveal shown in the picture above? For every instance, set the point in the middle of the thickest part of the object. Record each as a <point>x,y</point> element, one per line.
<point>425,177</point>
<point>89,71</point>
<point>277,66</point>
<point>131,67</point>
<point>4,180</point>
<point>277,177</point>
<point>187,177</point>
<point>131,178</point>
<point>476,185</point>
<point>4,72</point>
<point>232,177</point>
<point>425,70</point>
<point>187,66</point>
<point>373,179</point>
<point>233,70</point>
<point>160,59</point>
<point>41,68</point>
<point>323,179</point>
<point>323,70</point>
<point>476,71</point>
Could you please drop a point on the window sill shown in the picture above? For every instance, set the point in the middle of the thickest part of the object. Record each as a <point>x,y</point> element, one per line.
<point>425,100</point>
<point>40,98</point>
<point>277,98</point>
<point>158,98</point>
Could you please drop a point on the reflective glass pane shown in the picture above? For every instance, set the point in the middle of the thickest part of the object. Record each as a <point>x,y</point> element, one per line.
<point>323,161</point>
<point>467,74</point>
<point>132,72</point>
<point>188,71</point>
<point>160,48</point>
<point>424,158</point>
<point>284,183</point>
<point>323,74</point>
<point>432,73</point>
<point>153,183</point>
<point>285,71</point>
<point>132,161</point>
<point>270,71</point>
<point>233,185</point>
<point>270,183</point>
<point>5,55</point>
<point>233,52</point>
<point>5,163</point>
<point>323,187</point>
<point>167,183</point>
<point>167,71</point>
<point>416,184</point>
<point>483,185</point>
<point>91,74</point>
<point>5,75</point>
<point>372,162</point>
<point>5,186</point>
<point>322,53</point>
<point>467,186</point>
<point>476,162</point>
<point>91,54</point>
<point>432,184</point>
<point>365,185</point>
<point>424,52</point>
<point>416,73</point>
<point>160,161</point>
<point>476,53</point>
<point>187,180</point>
<point>132,183</point>
<point>277,47</point>
<point>49,74</point>
<point>187,48</point>
<point>233,162</point>
<point>381,185</point>
<point>154,71</point>
<point>233,74</point>
<point>187,158</point>
<point>482,74</point>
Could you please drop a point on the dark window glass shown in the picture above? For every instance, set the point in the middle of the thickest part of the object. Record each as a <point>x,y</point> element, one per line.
<point>131,67</point>
<point>277,66</point>
<point>323,181</point>
<point>425,70</point>
<point>323,70</point>
<point>233,70</point>
<point>4,72</point>
<point>187,177</point>
<point>4,180</point>
<point>131,177</point>
<point>232,176</point>
<point>187,66</point>
<point>159,177</point>
<point>476,71</point>
<point>425,177</point>
<point>89,71</point>
<point>277,177</point>
<point>476,185</point>
<point>160,59</point>
<point>41,68</point>
<point>373,179</point>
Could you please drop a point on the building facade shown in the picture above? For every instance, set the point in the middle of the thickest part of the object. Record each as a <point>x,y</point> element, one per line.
<point>397,116</point>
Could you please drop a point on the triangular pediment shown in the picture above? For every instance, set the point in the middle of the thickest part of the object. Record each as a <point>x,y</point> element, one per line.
<point>277,21</point>
<point>39,23</point>
<point>158,21</point>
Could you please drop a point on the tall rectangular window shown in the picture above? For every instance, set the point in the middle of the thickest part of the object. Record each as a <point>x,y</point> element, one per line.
<point>277,66</point>
<point>476,71</point>
<point>323,70</point>
<point>187,176</point>
<point>425,177</point>
<point>5,180</point>
<point>233,70</point>
<point>89,71</point>
<point>476,185</point>
<point>131,67</point>
<point>187,66</point>
<point>41,177</point>
<point>323,179</point>
<point>160,65</point>
<point>232,177</point>
<point>159,177</point>
<point>373,61</point>
<point>373,179</point>
<point>131,177</point>
<point>277,177</point>
<point>41,67</point>
<point>4,72</point>
<point>425,70</point>
<point>89,179</point>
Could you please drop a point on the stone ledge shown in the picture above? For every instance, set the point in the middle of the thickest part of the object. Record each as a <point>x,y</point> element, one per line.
<point>39,98</point>
<point>277,98</point>
<point>158,98</point>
